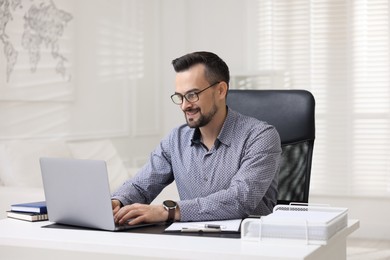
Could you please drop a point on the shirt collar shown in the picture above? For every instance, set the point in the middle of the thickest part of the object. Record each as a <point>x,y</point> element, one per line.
<point>225,135</point>
<point>196,137</point>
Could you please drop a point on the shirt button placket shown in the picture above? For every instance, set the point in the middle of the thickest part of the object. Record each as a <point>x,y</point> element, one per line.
<point>205,167</point>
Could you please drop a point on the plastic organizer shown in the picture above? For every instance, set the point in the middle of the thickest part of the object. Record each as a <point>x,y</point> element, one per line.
<point>299,223</point>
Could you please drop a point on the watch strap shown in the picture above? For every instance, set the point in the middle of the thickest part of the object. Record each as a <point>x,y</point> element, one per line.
<point>171,214</point>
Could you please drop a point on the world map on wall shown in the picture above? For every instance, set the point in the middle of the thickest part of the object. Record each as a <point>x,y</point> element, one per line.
<point>43,26</point>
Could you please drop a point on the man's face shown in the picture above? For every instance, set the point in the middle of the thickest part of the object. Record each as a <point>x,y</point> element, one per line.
<point>201,112</point>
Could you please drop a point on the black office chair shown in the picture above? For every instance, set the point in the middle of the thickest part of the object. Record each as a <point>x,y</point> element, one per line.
<point>292,113</point>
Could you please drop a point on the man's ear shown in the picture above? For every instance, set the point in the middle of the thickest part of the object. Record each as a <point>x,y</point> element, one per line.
<point>222,89</point>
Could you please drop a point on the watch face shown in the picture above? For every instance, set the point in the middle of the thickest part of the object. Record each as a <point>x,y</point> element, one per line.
<point>169,203</point>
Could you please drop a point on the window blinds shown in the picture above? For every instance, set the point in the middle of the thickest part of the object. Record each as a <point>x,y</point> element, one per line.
<point>338,50</point>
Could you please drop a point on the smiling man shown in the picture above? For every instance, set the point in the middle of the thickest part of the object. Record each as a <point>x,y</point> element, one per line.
<point>225,164</point>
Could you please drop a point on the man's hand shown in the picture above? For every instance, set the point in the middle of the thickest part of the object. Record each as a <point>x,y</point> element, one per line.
<point>116,205</point>
<point>139,213</point>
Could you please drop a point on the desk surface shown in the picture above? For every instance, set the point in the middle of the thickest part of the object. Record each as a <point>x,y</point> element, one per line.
<point>20,239</point>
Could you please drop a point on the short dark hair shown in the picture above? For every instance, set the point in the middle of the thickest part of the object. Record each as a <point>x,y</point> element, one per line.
<point>215,68</point>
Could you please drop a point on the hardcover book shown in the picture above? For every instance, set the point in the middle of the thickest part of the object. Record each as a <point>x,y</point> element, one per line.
<point>28,216</point>
<point>33,207</point>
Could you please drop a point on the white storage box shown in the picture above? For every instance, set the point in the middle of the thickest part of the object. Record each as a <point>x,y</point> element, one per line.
<point>304,224</point>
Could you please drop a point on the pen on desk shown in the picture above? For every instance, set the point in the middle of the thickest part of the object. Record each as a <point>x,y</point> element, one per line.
<point>185,229</point>
<point>214,226</point>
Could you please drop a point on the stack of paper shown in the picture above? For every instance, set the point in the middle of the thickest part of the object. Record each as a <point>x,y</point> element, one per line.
<point>305,223</point>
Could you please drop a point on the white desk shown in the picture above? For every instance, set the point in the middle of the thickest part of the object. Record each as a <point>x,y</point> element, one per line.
<point>25,240</point>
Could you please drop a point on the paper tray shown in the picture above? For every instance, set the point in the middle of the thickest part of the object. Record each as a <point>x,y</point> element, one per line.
<point>304,224</point>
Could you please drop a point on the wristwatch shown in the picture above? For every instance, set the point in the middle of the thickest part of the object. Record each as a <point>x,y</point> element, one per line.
<point>170,206</point>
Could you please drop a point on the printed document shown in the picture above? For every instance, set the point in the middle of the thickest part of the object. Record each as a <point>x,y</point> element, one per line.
<point>232,225</point>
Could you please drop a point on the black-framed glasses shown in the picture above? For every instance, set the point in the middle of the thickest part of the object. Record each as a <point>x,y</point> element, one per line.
<point>191,97</point>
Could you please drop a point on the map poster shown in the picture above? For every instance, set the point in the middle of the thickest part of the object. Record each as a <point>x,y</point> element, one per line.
<point>36,50</point>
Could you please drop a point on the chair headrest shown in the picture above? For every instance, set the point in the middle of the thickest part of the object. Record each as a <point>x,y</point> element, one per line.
<point>290,111</point>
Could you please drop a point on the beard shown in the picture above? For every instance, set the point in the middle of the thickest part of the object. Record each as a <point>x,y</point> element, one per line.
<point>203,119</point>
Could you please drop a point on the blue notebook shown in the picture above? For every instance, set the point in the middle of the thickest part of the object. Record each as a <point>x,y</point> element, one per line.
<point>34,207</point>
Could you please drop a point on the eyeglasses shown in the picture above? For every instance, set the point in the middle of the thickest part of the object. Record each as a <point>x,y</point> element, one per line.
<point>190,96</point>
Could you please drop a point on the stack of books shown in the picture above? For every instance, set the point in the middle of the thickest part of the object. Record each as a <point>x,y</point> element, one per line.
<point>32,211</point>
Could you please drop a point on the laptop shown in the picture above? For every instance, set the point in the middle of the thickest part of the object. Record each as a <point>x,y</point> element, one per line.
<point>78,193</point>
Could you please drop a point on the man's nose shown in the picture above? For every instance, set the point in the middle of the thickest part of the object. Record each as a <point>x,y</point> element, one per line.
<point>185,104</point>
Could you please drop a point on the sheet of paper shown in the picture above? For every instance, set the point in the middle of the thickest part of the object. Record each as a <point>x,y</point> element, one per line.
<point>310,216</point>
<point>226,225</point>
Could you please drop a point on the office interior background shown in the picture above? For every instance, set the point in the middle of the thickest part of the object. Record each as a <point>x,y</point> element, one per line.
<point>106,74</point>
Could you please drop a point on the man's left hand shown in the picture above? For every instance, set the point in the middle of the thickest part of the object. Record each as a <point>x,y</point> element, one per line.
<point>140,213</point>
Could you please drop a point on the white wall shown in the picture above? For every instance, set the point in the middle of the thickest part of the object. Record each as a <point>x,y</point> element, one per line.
<point>113,52</point>
<point>146,102</point>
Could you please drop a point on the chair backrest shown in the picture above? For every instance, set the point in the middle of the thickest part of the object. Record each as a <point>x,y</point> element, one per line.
<point>292,114</point>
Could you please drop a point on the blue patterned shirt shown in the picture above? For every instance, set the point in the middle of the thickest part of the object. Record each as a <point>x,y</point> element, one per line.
<point>235,178</point>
